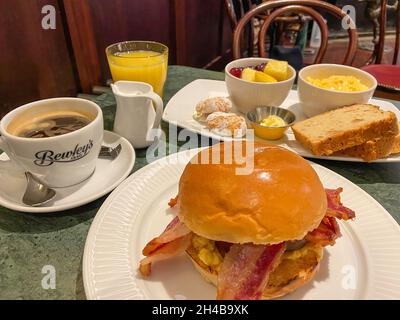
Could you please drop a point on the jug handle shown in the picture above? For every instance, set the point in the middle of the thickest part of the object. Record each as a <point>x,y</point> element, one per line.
<point>158,105</point>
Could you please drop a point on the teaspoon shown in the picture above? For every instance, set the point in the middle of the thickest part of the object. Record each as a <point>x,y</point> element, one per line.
<point>36,193</point>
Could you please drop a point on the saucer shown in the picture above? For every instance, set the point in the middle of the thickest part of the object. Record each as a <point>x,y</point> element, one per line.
<point>107,176</point>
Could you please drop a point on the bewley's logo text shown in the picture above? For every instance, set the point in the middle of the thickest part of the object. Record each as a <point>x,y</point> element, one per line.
<point>46,158</point>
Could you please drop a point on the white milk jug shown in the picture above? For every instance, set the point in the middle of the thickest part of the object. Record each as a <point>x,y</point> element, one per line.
<point>139,112</point>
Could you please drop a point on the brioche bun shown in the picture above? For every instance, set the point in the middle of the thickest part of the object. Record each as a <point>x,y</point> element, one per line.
<point>281,199</point>
<point>289,275</point>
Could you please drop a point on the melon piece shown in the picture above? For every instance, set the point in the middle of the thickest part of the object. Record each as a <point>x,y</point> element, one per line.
<point>248,74</point>
<point>277,69</point>
<point>263,77</point>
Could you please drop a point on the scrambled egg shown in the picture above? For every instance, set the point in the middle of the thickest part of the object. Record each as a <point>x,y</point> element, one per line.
<point>273,121</point>
<point>207,251</point>
<point>339,83</point>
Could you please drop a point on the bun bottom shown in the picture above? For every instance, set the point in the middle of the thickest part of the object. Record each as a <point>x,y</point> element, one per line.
<point>295,269</point>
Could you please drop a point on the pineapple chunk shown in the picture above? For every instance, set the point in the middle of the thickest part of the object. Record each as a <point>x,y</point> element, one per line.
<point>263,77</point>
<point>248,74</point>
<point>277,69</point>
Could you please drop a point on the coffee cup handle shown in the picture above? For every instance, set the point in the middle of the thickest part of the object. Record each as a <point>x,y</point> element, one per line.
<point>6,164</point>
<point>3,146</point>
<point>9,167</point>
<point>158,105</point>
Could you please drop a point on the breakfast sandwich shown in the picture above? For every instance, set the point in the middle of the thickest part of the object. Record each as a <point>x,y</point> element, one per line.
<point>255,236</point>
<point>216,104</point>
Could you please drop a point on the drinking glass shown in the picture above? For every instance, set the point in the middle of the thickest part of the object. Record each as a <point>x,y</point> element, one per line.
<point>144,61</point>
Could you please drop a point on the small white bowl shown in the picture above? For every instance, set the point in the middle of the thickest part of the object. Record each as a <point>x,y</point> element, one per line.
<point>315,100</point>
<point>247,95</point>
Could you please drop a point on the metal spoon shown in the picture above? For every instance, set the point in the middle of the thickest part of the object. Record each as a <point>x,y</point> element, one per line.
<point>36,193</point>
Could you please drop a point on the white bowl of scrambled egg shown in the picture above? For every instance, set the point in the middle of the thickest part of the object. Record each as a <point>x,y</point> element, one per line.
<point>324,87</point>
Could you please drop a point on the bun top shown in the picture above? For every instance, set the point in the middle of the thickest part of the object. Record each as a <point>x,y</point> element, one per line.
<point>281,198</point>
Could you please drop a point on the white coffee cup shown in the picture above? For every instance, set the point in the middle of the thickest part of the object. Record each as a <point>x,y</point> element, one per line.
<point>139,112</point>
<point>57,161</point>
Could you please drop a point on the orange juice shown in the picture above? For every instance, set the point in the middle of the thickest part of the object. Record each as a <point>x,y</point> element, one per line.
<point>141,65</point>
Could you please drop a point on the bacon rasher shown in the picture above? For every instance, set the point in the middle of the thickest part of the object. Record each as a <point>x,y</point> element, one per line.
<point>326,233</point>
<point>173,241</point>
<point>335,206</point>
<point>245,270</point>
<point>328,230</point>
<point>168,250</point>
<point>173,201</point>
<point>174,230</point>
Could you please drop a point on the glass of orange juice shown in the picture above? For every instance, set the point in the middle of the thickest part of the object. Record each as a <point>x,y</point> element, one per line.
<point>144,61</point>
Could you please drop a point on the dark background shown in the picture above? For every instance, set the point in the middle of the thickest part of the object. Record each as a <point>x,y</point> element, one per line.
<point>37,63</point>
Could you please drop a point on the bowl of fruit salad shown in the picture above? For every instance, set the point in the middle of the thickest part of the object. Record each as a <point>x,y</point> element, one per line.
<point>253,82</point>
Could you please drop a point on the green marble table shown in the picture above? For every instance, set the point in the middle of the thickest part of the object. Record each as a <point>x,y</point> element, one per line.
<point>28,242</point>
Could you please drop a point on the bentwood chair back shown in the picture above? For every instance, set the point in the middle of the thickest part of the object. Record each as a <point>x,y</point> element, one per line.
<point>386,74</point>
<point>277,8</point>
<point>379,48</point>
<point>236,9</point>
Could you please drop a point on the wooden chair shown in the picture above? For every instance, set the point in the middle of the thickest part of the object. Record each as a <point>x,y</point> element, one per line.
<point>384,71</point>
<point>280,7</point>
<point>235,13</point>
<point>238,11</point>
<point>379,47</point>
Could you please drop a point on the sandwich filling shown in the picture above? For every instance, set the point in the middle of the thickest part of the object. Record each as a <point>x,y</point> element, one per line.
<point>298,263</point>
<point>245,270</point>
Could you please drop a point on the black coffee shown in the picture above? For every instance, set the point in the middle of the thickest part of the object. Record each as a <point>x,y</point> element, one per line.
<point>54,126</point>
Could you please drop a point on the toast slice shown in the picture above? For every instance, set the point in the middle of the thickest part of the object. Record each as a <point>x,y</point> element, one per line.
<point>396,144</point>
<point>344,128</point>
<point>371,150</point>
<point>374,149</point>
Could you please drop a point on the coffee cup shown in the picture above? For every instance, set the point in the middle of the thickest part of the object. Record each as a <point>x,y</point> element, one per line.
<point>57,140</point>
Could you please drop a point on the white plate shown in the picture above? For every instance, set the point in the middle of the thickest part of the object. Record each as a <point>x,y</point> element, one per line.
<point>180,108</point>
<point>366,256</point>
<point>108,175</point>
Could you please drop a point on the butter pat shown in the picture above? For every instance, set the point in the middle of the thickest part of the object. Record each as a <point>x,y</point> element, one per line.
<point>273,121</point>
